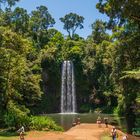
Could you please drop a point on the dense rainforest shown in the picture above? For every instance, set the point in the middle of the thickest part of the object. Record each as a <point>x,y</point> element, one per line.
<point>106,63</point>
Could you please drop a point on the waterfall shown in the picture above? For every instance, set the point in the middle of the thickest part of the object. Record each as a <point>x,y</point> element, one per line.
<point>68,99</point>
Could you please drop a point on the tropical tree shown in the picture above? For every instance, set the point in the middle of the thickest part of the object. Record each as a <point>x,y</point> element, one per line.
<point>20,20</point>
<point>40,21</point>
<point>99,32</point>
<point>20,87</point>
<point>71,22</point>
<point>121,12</point>
<point>124,21</point>
<point>10,3</point>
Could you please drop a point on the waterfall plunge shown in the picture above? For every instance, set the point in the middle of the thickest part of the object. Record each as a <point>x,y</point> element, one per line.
<point>68,99</point>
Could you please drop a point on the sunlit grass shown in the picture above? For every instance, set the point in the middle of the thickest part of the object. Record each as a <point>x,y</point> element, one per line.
<point>106,138</point>
<point>8,138</point>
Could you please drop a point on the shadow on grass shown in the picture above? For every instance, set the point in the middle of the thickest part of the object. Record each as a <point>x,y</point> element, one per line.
<point>6,133</point>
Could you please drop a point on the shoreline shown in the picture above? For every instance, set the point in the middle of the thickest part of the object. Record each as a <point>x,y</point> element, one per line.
<point>83,131</point>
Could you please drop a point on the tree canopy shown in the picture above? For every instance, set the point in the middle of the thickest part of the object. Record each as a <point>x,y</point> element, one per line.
<point>71,22</point>
<point>106,63</point>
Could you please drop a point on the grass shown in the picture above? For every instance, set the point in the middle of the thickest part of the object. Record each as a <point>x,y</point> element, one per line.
<point>5,135</point>
<point>106,138</point>
<point>9,138</point>
<point>41,123</point>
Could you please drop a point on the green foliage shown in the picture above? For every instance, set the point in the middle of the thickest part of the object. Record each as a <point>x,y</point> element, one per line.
<point>16,115</point>
<point>106,66</point>
<point>124,22</point>
<point>20,20</point>
<point>45,21</point>
<point>20,87</point>
<point>43,123</point>
<point>71,22</point>
<point>135,74</point>
<point>120,12</point>
<point>39,23</point>
<point>10,3</point>
<point>99,32</point>
<point>84,108</point>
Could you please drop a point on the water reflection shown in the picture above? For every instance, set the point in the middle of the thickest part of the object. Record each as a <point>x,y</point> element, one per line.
<point>66,120</point>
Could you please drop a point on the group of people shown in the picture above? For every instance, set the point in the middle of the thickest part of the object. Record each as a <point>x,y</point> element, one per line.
<point>113,131</point>
<point>99,121</point>
<point>21,131</point>
<point>76,121</point>
<point>114,134</point>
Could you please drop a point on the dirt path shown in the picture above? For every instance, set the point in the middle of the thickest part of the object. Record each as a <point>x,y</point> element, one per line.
<point>79,132</point>
<point>85,132</point>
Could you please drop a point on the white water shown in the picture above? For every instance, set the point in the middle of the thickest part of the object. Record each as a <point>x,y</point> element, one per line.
<point>68,99</point>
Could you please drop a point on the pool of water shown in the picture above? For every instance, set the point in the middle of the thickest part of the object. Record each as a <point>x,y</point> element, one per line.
<point>66,120</point>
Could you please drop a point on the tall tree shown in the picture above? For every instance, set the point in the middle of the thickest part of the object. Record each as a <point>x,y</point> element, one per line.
<point>20,20</point>
<point>71,22</point>
<point>125,22</point>
<point>99,32</point>
<point>40,21</point>
<point>6,17</point>
<point>10,3</point>
<point>20,85</point>
<point>120,12</point>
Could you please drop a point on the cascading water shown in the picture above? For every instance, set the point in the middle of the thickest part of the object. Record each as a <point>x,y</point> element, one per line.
<point>68,99</point>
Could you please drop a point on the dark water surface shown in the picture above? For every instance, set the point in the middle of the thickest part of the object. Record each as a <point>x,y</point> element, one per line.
<point>66,120</point>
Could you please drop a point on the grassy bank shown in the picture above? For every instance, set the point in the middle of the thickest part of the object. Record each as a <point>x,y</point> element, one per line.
<point>106,138</point>
<point>8,138</point>
<point>39,123</point>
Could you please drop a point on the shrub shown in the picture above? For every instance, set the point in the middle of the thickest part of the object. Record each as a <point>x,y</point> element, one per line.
<point>85,108</point>
<point>16,116</point>
<point>44,123</point>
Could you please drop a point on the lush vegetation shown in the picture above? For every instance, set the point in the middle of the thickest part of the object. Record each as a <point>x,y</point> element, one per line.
<point>107,66</point>
<point>43,123</point>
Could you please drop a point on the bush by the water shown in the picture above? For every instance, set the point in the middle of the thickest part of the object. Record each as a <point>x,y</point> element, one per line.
<point>44,123</point>
<point>15,118</point>
<point>16,115</point>
<point>85,108</point>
